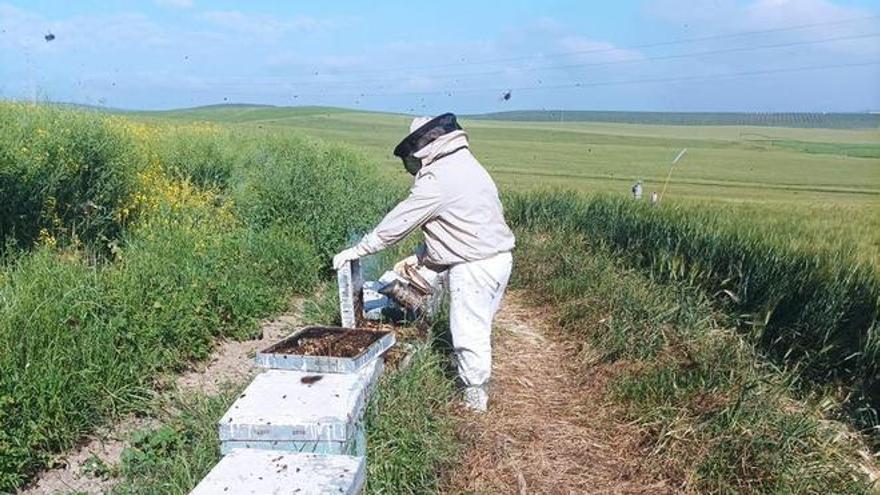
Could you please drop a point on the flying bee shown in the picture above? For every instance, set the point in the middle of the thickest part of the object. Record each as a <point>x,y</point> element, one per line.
<point>506,95</point>
<point>49,37</point>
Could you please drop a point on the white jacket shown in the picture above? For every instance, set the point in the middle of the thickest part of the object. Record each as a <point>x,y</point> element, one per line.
<point>454,201</point>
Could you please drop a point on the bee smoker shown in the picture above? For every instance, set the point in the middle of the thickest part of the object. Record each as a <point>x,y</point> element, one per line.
<point>410,290</point>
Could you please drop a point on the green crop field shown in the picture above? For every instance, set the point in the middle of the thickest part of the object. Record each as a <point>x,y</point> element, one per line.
<point>822,186</point>
<point>725,162</point>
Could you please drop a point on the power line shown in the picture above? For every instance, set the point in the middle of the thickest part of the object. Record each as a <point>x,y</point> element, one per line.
<point>578,85</point>
<point>688,55</point>
<point>629,47</point>
<point>708,77</point>
<point>585,64</point>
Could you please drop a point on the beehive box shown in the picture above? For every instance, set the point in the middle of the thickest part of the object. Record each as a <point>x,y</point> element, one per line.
<point>298,411</point>
<point>289,354</point>
<point>266,471</point>
<point>355,445</point>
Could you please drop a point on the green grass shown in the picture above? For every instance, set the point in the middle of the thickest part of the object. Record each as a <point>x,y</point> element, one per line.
<point>410,427</point>
<point>174,457</point>
<point>724,162</point>
<point>813,308</point>
<point>826,181</point>
<point>852,150</point>
<point>194,249</point>
<point>717,418</point>
<point>806,120</point>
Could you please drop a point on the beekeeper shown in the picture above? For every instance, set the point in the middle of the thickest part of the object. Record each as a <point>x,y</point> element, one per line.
<point>637,190</point>
<point>455,202</point>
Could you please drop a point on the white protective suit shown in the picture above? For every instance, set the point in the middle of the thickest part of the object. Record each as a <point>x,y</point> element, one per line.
<point>455,202</point>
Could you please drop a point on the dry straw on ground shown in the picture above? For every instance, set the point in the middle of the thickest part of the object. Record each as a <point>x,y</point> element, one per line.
<point>548,429</point>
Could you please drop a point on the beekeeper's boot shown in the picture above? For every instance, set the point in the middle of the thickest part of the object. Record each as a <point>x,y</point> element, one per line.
<point>476,398</point>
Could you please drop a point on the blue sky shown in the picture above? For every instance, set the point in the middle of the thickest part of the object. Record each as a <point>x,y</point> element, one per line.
<point>428,57</point>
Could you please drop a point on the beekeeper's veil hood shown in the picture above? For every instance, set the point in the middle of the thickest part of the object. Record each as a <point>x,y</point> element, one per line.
<point>422,132</point>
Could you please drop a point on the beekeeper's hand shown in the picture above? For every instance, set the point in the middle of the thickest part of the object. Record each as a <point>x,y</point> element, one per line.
<point>345,256</point>
<point>401,266</point>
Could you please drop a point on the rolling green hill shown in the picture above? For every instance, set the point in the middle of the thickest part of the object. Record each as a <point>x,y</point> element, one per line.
<point>769,119</point>
<point>237,112</point>
<point>822,183</point>
<point>724,162</point>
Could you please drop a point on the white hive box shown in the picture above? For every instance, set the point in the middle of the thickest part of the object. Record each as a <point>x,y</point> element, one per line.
<point>266,472</point>
<point>282,410</point>
<point>272,358</point>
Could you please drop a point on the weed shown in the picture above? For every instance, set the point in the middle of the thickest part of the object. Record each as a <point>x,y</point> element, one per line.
<point>64,176</point>
<point>95,467</point>
<point>172,458</point>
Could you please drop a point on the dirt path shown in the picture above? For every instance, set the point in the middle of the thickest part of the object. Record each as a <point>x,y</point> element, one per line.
<point>230,363</point>
<point>548,430</point>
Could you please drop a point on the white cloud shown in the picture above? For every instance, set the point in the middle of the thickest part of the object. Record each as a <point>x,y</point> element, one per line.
<point>175,4</point>
<point>779,13</point>
<point>585,50</point>
<point>826,19</point>
<point>261,25</point>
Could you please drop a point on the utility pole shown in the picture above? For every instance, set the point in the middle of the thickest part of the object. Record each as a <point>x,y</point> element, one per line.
<point>669,175</point>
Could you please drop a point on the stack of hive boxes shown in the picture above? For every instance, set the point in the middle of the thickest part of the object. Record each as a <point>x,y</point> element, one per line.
<point>299,426</point>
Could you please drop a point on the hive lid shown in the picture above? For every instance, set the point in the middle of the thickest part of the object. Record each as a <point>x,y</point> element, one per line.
<point>266,471</point>
<point>350,282</point>
<point>299,406</point>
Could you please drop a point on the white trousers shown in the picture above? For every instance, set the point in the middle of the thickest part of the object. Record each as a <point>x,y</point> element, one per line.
<point>475,292</point>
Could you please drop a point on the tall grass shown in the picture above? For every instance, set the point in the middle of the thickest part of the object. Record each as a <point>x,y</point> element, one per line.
<point>816,309</point>
<point>191,248</point>
<point>323,191</point>
<point>63,175</point>
<point>174,457</point>
<point>716,417</point>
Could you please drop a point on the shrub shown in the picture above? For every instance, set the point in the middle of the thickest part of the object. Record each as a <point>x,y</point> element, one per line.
<point>201,154</point>
<point>64,176</point>
<point>325,192</point>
